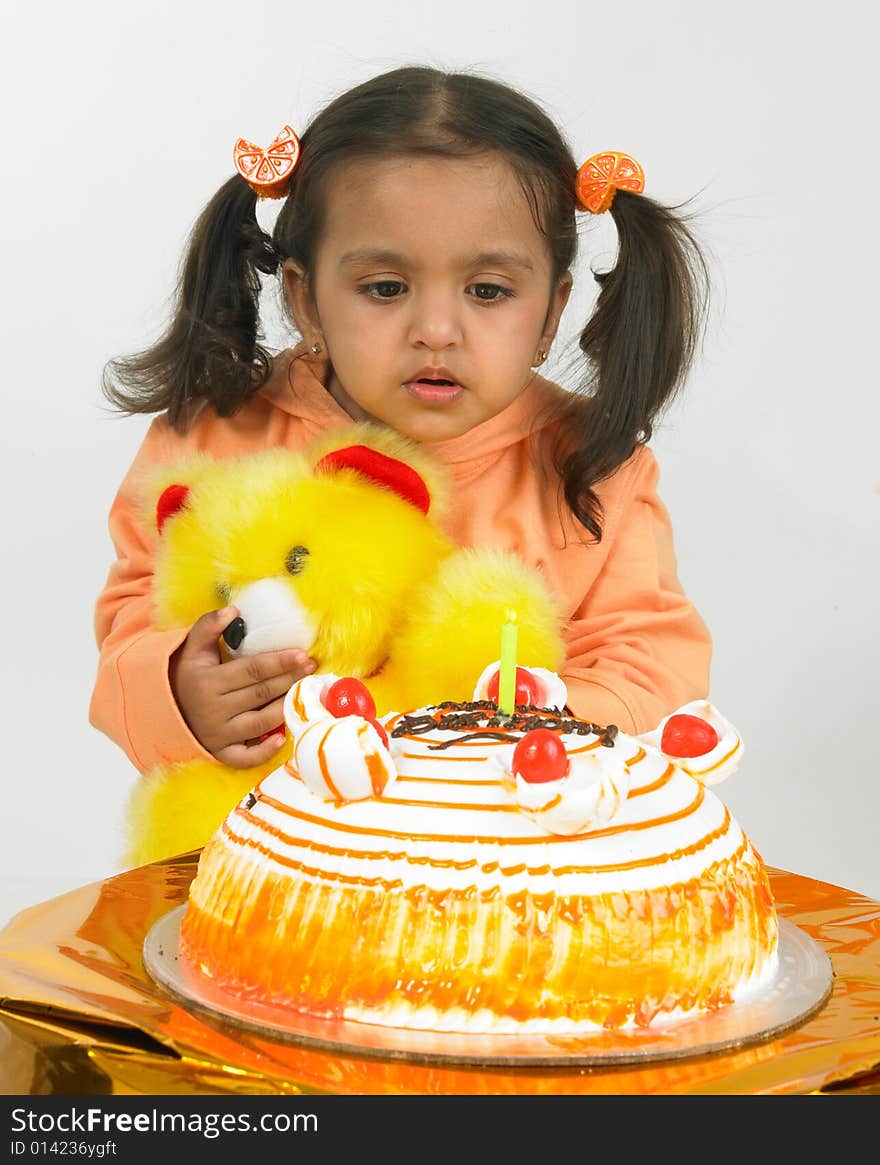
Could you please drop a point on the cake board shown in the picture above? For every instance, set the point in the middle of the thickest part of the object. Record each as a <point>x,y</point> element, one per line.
<point>799,989</point>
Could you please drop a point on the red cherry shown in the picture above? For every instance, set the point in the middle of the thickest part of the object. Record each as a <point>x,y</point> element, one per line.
<point>685,735</point>
<point>349,697</point>
<point>540,756</point>
<point>380,728</point>
<point>526,687</point>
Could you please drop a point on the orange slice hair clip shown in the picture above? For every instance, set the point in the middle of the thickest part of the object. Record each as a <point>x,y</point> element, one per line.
<point>268,171</point>
<point>602,175</point>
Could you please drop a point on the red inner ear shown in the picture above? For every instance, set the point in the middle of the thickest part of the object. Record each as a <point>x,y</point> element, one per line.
<point>388,471</point>
<point>172,499</point>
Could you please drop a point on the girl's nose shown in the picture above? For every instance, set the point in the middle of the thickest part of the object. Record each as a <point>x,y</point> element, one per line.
<point>436,321</point>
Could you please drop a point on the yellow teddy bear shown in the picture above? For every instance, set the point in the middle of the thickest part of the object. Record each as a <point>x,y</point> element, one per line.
<point>336,550</point>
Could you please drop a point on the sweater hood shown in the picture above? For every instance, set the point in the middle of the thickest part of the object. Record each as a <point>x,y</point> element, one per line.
<point>297,386</point>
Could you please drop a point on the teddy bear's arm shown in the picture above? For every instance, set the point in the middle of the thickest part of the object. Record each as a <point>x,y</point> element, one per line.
<point>453,630</point>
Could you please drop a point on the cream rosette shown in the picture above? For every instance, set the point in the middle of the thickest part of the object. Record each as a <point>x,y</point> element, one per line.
<point>552,692</point>
<point>714,766</point>
<point>304,702</point>
<point>339,758</point>
<point>588,797</point>
<point>342,759</point>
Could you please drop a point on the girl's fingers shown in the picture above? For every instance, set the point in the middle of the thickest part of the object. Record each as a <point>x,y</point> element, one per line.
<point>245,756</point>
<point>241,674</point>
<point>201,643</point>
<point>251,725</point>
<point>258,695</point>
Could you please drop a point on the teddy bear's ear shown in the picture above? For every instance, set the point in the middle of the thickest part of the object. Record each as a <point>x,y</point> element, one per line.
<point>384,470</point>
<point>171,500</point>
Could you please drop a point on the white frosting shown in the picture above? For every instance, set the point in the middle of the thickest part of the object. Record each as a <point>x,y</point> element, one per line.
<point>338,758</point>
<point>588,797</point>
<point>448,822</point>
<point>712,767</point>
<point>305,701</point>
<point>342,759</point>
<point>552,692</point>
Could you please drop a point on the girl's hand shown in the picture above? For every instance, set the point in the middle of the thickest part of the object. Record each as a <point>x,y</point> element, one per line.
<point>228,705</point>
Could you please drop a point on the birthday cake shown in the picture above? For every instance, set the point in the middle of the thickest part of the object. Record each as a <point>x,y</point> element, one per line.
<point>455,868</point>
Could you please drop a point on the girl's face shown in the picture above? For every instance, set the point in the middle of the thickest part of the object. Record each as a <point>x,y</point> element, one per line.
<point>431,292</point>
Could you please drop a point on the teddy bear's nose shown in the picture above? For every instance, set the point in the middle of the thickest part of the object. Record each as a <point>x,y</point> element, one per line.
<point>235,633</point>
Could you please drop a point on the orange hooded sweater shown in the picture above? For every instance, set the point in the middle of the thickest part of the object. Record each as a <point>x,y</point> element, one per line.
<point>636,649</point>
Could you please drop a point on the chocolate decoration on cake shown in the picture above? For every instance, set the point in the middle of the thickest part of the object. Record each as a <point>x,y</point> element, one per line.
<point>483,716</point>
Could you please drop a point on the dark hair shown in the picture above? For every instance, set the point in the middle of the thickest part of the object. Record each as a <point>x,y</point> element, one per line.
<point>639,341</point>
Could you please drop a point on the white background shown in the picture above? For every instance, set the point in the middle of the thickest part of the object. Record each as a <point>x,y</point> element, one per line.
<point>119,125</point>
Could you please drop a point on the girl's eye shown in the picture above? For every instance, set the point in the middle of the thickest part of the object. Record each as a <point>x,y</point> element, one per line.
<point>383,289</point>
<point>490,292</point>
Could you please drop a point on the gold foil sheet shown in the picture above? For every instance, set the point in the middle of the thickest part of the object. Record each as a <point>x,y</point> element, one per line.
<point>80,1015</point>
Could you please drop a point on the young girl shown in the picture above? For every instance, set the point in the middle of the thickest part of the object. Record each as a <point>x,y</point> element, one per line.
<point>425,246</point>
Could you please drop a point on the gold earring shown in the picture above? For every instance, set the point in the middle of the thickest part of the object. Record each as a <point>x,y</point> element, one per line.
<point>316,348</point>
<point>540,356</point>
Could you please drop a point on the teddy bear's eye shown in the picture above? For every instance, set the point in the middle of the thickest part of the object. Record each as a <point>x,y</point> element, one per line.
<point>223,593</point>
<point>296,559</point>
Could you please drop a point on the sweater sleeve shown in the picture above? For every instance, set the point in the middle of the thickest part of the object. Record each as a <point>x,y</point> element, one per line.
<point>636,648</point>
<point>132,701</point>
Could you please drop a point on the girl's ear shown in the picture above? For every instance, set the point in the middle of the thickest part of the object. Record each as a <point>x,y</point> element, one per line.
<point>300,302</point>
<point>561,293</point>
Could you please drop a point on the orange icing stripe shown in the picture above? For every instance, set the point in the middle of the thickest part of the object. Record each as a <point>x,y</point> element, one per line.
<point>337,851</point>
<point>474,806</point>
<point>550,804</point>
<point>403,778</point>
<point>446,756</point>
<point>468,783</point>
<point>488,868</point>
<point>364,831</point>
<point>664,779</point>
<point>325,767</point>
<point>674,855</point>
<point>299,706</point>
<point>591,747</point>
<point>375,765</point>
<point>720,762</point>
<point>467,839</point>
<point>440,754</point>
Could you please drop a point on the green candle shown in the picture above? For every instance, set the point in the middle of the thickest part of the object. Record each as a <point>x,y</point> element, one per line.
<point>507,677</point>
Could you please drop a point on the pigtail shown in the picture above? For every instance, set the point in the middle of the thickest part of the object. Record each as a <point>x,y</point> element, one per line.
<point>639,343</point>
<point>211,348</point>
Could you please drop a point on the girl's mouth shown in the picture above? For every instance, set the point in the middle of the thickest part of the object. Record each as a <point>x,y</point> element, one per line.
<point>434,391</point>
